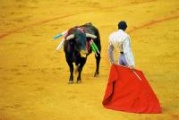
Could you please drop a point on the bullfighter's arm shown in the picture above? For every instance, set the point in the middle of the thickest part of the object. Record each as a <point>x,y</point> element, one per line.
<point>110,53</point>
<point>128,52</point>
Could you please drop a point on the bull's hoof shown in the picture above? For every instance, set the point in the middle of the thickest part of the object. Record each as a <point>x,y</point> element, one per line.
<point>70,82</point>
<point>78,81</point>
<point>96,74</point>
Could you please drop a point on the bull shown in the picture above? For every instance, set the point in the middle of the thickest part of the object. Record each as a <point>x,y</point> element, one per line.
<point>77,47</point>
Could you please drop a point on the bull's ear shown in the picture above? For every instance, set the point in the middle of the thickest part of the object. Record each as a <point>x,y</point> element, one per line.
<point>91,36</point>
<point>70,37</point>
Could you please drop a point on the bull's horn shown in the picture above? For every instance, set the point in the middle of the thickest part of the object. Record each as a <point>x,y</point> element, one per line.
<point>91,35</point>
<point>70,37</point>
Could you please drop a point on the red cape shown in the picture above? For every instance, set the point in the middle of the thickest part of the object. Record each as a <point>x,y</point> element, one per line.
<point>129,91</point>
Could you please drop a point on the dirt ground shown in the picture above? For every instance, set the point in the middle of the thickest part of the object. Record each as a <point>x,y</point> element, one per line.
<point>34,77</point>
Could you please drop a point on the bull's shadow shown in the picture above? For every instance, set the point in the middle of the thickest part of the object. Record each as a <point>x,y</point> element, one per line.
<point>79,42</point>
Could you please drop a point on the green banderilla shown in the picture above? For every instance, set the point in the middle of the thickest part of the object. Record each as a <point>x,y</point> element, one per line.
<point>94,47</point>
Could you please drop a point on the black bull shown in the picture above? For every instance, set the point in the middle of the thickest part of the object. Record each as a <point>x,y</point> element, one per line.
<point>77,48</point>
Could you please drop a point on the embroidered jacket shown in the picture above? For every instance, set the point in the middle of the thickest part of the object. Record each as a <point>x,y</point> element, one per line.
<point>120,41</point>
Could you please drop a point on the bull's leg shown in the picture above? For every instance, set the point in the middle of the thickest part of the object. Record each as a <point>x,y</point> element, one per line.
<point>71,72</point>
<point>80,68</point>
<point>98,57</point>
<point>79,74</point>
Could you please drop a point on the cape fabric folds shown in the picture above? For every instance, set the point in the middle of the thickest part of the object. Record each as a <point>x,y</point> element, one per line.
<point>129,91</point>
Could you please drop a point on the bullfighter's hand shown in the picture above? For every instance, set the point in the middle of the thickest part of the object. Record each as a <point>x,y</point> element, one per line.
<point>131,67</point>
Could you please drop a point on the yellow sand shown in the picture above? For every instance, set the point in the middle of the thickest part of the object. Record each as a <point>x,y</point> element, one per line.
<point>34,77</point>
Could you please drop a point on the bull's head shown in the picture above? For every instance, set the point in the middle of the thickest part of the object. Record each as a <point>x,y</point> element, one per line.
<point>80,39</point>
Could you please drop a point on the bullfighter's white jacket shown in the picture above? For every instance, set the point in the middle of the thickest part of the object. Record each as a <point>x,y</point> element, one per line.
<point>120,41</point>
